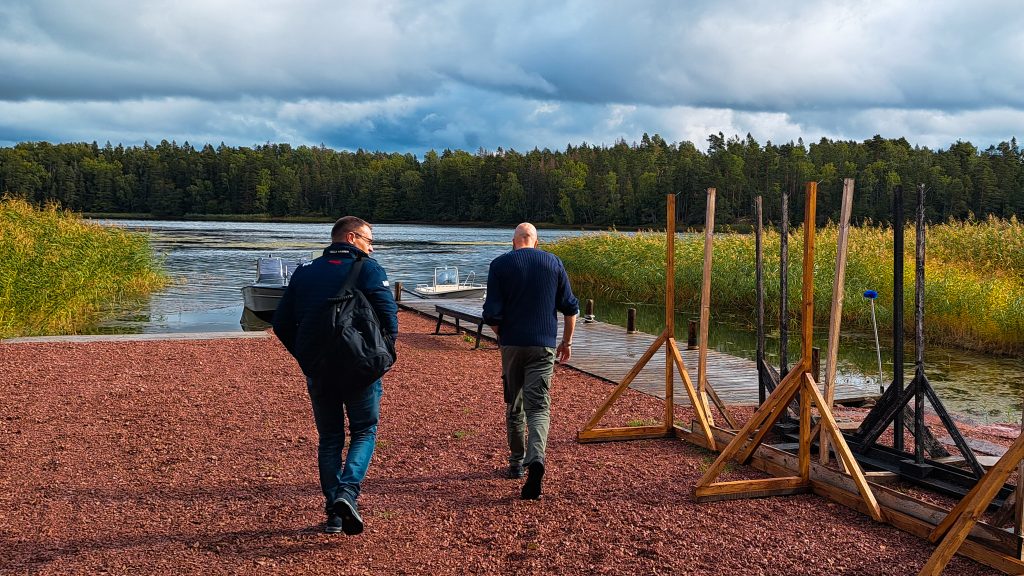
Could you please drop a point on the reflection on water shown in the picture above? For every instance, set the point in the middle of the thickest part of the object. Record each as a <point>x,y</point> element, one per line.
<point>976,386</point>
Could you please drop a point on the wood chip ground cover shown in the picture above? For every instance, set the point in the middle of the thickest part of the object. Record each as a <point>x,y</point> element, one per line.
<point>176,457</point>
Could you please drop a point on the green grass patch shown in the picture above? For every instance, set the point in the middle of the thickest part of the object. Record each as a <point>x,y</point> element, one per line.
<point>638,422</point>
<point>974,277</point>
<point>57,271</point>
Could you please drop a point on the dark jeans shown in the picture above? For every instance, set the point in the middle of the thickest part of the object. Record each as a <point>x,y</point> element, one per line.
<point>343,477</point>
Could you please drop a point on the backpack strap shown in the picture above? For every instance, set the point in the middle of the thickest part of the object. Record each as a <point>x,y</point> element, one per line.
<point>353,275</point>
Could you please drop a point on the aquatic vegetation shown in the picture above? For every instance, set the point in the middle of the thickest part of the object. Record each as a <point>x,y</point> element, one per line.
<point>974,277</point>
<point>58,271</point>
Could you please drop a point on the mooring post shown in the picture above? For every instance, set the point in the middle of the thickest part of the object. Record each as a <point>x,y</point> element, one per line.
<point>691,335</point>
<point>630,320</point>
<point>589,316</point>
<point>398,291</point>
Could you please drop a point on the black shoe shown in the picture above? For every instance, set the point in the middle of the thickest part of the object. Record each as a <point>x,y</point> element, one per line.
<point>351,521</point>
<point>515,471</point>
<point>334,523</point>
<point>531,490</point>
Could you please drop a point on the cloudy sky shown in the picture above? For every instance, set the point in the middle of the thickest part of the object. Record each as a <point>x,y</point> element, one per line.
<point>411,76</point>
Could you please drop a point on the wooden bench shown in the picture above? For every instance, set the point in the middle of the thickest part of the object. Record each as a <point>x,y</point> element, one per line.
<point>460,313</point>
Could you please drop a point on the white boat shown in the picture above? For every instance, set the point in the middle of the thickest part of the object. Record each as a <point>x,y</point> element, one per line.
<point>262,296</point>
<point>448,284</point>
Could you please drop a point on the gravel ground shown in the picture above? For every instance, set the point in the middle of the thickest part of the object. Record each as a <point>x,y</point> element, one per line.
<point>199,457</point>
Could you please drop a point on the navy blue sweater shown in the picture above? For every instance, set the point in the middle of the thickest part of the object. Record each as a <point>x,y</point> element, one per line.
<point>313,283</point>
<point>526,288</point>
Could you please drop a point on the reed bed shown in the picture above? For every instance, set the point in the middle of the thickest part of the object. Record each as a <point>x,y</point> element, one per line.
<point>974,277</point>
<point>57,271</point>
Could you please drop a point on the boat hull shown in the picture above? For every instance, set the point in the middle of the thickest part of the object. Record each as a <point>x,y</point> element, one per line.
<point>450,292</point>
<point>262,299</point>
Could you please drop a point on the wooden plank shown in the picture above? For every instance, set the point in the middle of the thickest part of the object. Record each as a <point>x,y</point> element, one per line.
<point>705,303</point>
<point>836,314</point>
<point>698,406</point>
<point>842,449</point>
<point>759,488</point>
<point>670,305</point>
<point>807,310</point>
<point>622,433</point>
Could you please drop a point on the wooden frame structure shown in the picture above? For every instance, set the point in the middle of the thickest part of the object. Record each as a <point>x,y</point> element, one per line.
<point>892,407</point>
<point>953,530</point>
<point>698,396</point>
<point>798,381</point>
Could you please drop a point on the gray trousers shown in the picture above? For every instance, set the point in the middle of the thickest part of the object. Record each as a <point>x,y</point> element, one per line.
<point>526,375</point>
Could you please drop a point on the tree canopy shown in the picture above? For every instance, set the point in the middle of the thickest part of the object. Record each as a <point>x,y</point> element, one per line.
<point>620,185</point>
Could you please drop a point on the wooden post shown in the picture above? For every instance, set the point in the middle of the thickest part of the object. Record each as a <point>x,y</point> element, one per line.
<point>670,305</point>
<point>691,335</point>
<point>705,301</point>
<point>759,283</point>
<point>836,315</point>
<point>398,291</point>
<point>897,310</point>
<point>630,320</point>
<point>784,286</point>
<point>919,327</point>
<point>589,315</point>
<point>807,284</point>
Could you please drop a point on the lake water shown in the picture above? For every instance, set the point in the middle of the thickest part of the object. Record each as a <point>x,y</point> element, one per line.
<point>211,261</point>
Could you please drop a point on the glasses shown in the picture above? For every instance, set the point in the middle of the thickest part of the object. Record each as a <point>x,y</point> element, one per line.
<point>368,240</point>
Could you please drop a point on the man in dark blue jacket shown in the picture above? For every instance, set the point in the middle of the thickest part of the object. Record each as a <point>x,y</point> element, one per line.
<point>526,289</point>
<point>310,286</point>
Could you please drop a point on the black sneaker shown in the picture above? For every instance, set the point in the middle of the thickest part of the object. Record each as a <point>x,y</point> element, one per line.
<point>531,490</point>
<point>334,523</point>
<point>351,521</point>
<point>515,471</point>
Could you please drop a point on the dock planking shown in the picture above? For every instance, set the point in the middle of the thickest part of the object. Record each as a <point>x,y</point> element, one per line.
<point>607,351</point>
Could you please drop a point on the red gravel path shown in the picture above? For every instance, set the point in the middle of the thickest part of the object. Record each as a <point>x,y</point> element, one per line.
<point>199,457</point>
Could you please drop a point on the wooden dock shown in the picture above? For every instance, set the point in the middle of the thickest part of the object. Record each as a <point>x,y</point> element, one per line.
<point>607,351</point>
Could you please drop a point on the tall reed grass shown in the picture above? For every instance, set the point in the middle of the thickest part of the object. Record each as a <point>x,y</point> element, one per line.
<point>974,277</point>
<point>57,271</point>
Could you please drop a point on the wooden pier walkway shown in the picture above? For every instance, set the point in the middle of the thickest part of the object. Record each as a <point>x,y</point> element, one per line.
<point>607,351</point>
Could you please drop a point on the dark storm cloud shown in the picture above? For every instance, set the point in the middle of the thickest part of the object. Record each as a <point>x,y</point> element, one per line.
<point>410,76</point>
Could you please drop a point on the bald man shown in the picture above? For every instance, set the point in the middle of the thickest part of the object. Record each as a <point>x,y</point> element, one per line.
<point>526,289</point>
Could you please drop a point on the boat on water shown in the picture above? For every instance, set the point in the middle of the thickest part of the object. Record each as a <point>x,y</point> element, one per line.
<point>448,284</point>
<point>262,296</point>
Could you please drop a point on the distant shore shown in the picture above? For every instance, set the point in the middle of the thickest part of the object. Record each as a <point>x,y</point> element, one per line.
<point>325,220</point>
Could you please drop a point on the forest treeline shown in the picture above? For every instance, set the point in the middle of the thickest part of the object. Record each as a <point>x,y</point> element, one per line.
<point>622,185</point>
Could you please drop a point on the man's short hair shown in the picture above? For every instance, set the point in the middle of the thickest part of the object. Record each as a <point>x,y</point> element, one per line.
<point>347,224</point>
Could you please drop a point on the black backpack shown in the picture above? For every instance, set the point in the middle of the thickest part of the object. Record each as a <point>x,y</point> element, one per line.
<point>342,341</point>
